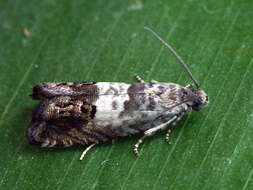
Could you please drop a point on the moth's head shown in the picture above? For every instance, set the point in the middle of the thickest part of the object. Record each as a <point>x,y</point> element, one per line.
<point>200,100</point>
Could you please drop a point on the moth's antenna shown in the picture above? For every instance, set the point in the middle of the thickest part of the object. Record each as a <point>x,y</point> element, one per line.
<point>175,54</point>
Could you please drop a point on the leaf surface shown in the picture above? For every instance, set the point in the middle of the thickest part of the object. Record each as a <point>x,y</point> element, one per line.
<point>105,41</point>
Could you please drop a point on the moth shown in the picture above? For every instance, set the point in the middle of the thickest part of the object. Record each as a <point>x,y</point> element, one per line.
<point>89,113</point>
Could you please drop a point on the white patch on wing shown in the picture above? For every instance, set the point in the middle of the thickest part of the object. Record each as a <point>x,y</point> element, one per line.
<point>110,103</point>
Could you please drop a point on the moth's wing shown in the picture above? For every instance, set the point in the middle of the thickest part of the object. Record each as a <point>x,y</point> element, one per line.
<point>46,134</point>
<point>84,113</point>
<point>65,121</point>
<point>50,90</point>
<point>65,134</point>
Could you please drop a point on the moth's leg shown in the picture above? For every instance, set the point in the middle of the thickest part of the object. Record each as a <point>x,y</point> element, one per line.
<point>171,128</point>
<point>167,138</point>
<point>142,81</point>
<point>139,78</point>
<point>86,150</point>
<point>188,86</point>
<point>151,132</point>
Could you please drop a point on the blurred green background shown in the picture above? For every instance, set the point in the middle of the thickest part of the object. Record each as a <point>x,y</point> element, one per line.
<point>94,40</point>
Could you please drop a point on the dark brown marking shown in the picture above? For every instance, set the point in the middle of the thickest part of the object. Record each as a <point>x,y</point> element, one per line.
<point>135,127</point>
<point>50,90</point>
<point>112,90</point>
<point>172,86</point>
<point>162,89</point>
<point>136,98</point>
<point>93,112</point>
<point>152,103</point>
<point>91,136</point>
<point>63,109</point>
<point>114,105</point>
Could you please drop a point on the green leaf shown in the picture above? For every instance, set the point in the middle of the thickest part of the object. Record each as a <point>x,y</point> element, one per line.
<point>105,41</point>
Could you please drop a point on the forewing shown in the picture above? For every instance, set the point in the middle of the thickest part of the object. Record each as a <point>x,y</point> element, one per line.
<point>50,90</point>
<point>65,121</point>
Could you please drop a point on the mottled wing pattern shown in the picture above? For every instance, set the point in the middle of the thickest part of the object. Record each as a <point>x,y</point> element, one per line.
<point>50,90</point>
<point>65,121</point>
<point>84,113</point>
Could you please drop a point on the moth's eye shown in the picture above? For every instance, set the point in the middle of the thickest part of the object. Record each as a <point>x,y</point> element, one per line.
<point>207,98</point>
<point>185,93</point>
